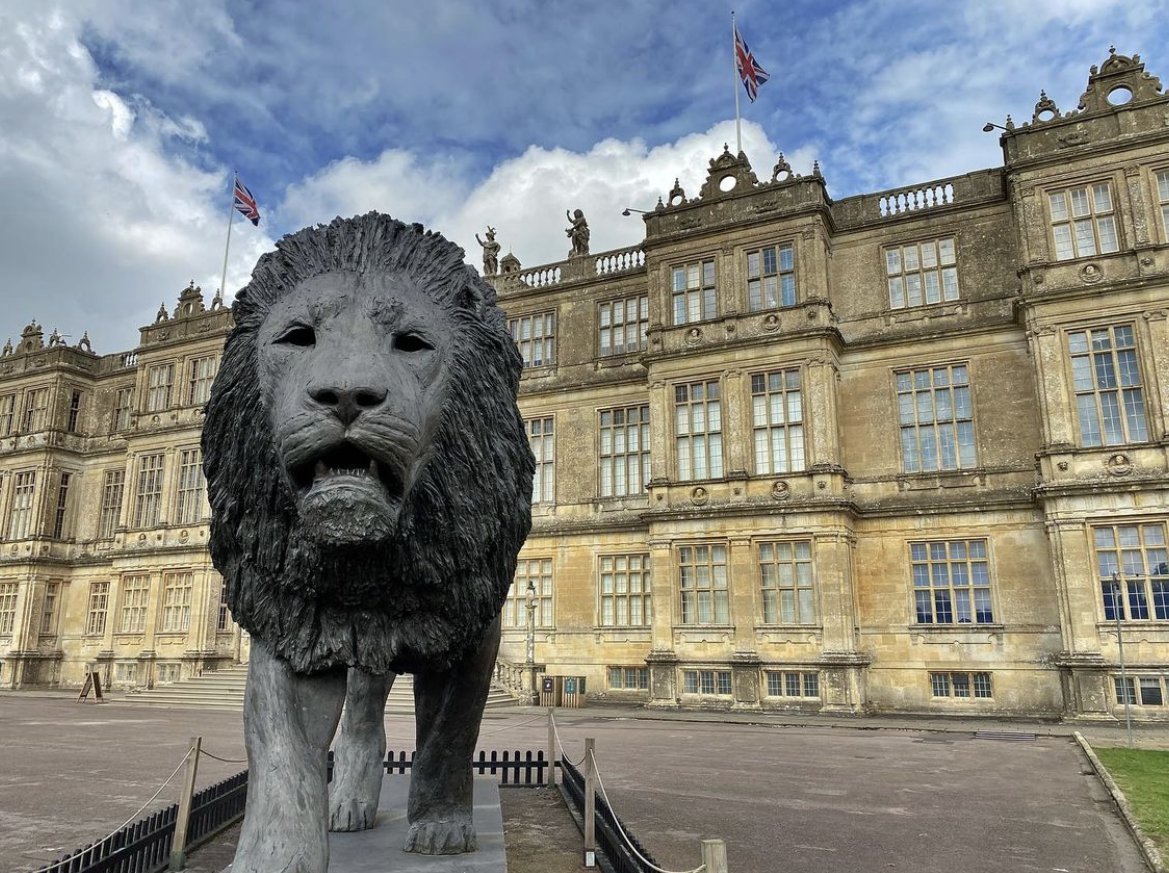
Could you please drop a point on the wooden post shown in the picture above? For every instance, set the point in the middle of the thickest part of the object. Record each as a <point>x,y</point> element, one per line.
<point>178,853</point>
<point>590,810</point>
<point>714,856</point>
<point>551,750</point>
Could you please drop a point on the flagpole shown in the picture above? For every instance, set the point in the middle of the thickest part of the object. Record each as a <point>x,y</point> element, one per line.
<point>227,245</point>
<point>735,72</point>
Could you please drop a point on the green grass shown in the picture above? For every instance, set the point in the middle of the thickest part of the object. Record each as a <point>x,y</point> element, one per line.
<point>1143,776</point>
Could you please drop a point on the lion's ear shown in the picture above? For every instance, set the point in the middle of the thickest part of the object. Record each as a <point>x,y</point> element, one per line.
<point>469,297</point>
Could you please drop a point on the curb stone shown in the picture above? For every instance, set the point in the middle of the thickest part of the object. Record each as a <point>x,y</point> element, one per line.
<point>1151,855</point>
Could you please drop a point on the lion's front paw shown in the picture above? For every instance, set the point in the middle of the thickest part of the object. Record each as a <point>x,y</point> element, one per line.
<point>441,838</point>
<point>351,815</point>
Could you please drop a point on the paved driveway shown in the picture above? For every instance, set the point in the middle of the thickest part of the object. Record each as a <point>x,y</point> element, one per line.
<point>806,799</point>
<point>823,800</point>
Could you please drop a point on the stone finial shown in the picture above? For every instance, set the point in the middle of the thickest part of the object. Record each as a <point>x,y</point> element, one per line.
<point>84,344</point>
<point>782,170</point>
<point>217,301</point>
<point>7,348</point>
<point>55,339</point>
<point>161,315</point>
<point>1045,109</point>
<point>31,338</point>
<point>190,301</point>
<point>677,195</point>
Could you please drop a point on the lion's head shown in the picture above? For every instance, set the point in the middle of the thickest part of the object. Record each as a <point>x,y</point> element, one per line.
<point>367,468</point>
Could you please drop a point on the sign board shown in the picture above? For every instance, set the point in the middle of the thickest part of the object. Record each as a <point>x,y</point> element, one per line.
<point>92,683</point>
<point>570,685</point>
<point>549,686</point>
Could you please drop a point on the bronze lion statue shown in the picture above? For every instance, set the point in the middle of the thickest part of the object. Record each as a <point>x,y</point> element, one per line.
<point>370,484</point>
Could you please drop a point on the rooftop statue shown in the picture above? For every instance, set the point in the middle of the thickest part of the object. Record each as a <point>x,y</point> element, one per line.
<point>490,252</point>
<point>578,233</point>
<point>370,484</point>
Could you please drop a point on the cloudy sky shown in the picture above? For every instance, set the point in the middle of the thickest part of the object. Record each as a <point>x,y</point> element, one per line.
<point>122,121</point>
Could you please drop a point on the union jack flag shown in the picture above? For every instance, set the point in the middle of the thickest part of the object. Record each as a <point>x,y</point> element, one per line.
<point>245,203</point>
<point>750,72</point>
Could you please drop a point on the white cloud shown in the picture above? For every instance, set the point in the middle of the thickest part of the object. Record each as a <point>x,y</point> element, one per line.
<point>106,218</point>
<point>114,166</point>
<point>525,198</point>
<point>397,182</point>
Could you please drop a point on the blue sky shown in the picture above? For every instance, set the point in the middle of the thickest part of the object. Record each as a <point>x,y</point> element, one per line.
<point>121,122</point>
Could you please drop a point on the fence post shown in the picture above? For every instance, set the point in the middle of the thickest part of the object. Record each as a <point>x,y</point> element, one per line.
<point>178,846</point>
<point>590,808</point>
<point>714,856</point>
<point>551,750</point>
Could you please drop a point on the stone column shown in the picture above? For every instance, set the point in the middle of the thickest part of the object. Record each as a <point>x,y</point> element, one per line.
<point>662,661</point>
<point>1157,375</point>
<point>832,559</point>
<point>821,429</point>
<point>661,410</point>
<point>745,663</point>
<point>1083,671</point>
<point>736,423</point>
<point>842,667</point>
<point>1054,404</point>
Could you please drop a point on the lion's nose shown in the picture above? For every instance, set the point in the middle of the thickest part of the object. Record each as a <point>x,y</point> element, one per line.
<point>347,403</point>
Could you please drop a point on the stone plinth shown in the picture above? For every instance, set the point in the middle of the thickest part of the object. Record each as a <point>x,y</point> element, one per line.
<point>379,849</point>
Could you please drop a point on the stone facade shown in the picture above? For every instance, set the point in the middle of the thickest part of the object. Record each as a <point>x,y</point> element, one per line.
<point>875,454</point>
<point>103,547</point>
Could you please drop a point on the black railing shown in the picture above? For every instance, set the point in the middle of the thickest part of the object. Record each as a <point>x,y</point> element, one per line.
<point>614,854</point>
<point>145,846</point>
<point>142,847</point>
<point>216,808</point>
<point>513,768</point>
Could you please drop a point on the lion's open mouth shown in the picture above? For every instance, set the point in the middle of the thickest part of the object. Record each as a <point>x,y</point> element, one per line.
<point>348,465</point>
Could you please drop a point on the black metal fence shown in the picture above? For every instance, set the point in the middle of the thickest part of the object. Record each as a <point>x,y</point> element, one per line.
<point>614,855</point>
<point>216,808</point>
<point>142,847</point>
<point>512,768</point>
<point>145,846</point>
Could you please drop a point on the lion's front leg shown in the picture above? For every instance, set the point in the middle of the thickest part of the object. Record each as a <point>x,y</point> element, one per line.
<point>359,753</point>
<point>448,708</point>
<point>289,720</point>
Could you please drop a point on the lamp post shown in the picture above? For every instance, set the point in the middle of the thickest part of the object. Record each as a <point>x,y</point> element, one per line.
<point>531,649</point>
<point>1129,692</point>
<point>629,210</point>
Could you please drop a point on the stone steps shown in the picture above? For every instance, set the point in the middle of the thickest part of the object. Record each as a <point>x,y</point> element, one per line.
<point>223,690</point>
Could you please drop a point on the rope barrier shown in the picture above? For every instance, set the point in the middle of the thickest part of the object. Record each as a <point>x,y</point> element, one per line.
<point>624,836</point>
<point>224,760</point>
<point>563,751</point>
<point>508,727</point>
<point>57,864</point>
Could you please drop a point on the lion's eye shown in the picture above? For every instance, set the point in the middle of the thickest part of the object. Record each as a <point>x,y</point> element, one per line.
<point>298,335</point>
<point>411,342</point>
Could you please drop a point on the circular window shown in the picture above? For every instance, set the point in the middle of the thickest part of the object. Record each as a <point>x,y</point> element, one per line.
<point>1119,96</point>
<point>1045,115</point>
<point>676,200</point>
<point>727,183</point>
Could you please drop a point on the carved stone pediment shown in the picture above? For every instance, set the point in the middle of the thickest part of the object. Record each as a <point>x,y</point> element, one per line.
<point>1118,81</point>
<point>728,174</point>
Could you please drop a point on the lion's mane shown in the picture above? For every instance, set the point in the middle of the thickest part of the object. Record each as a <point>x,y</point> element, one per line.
<point>425,598</point>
